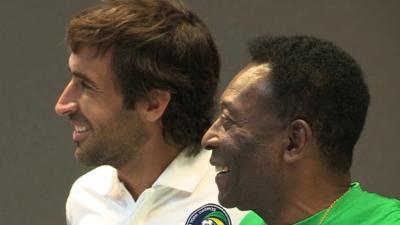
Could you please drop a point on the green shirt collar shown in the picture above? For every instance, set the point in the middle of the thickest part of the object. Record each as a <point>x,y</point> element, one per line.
<point>345,199</point>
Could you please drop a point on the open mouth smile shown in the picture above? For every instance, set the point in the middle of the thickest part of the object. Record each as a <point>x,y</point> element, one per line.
<point>80,132</point>
<point>221,169</point>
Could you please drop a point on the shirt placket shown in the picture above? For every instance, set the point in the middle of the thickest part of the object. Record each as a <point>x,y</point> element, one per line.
<point>142,207</point>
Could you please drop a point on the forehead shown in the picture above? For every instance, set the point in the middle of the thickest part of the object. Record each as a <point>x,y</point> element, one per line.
<point>94,66</point>
<point>248,86</point>
<point>89,57</point>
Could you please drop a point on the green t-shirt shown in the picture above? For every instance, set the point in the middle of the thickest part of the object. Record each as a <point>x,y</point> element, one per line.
<point>355,207</point>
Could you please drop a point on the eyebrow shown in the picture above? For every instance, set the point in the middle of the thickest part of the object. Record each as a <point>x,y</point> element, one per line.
<point>227,105</point>
<point>83,77</point>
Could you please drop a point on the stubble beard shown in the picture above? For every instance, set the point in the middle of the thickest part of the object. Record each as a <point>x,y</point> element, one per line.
<point>113,143</point>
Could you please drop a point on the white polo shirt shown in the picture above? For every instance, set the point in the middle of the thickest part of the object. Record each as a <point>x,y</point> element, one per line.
<point>184,194</point>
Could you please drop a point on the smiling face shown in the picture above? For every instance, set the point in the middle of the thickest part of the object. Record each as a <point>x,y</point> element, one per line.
<point>104,130</point>
<point>247,141</point>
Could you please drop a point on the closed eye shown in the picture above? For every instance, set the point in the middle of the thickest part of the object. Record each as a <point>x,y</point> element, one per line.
<point>226,121</point>
<point>84,80</point>
<point>84,84</point>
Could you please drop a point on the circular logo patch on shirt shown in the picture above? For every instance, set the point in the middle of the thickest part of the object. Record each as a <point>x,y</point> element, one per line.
<point>209,214</point>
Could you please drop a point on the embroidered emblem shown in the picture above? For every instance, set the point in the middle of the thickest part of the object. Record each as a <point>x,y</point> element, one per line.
<point>209,214</point>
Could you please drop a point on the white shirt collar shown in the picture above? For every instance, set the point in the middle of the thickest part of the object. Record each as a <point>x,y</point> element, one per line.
<point>183,173</point>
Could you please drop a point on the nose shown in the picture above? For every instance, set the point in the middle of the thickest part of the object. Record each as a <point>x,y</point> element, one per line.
<point>210,139</point>
<point>67,103</point>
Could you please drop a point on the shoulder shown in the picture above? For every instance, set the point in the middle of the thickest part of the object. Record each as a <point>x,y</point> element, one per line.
<point>375,207</point>
<point>387,210</point>
<point>95,182</point>
<point>379,202</point>
<point>87,194</point>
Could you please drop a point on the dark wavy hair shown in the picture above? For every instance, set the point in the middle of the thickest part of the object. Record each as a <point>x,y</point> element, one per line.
<point>314,80</point>
<point>156,44</point>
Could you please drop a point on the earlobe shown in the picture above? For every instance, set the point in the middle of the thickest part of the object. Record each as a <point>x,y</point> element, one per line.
<point>156,104</point>
<point>299,133</point>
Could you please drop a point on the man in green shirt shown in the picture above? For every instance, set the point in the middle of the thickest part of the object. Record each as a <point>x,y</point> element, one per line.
<point>283,143</point>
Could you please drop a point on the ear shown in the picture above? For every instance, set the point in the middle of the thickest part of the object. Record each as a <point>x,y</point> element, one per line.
<point>300,135</point>
<point>153,107</point>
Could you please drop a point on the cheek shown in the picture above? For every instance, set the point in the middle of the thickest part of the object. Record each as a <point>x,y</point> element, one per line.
<point>99,114</point>
<point>245,141</point>
<point>256,159</point>
<point>248,154</point>
<point>257,172</point>
<point>96,103</point>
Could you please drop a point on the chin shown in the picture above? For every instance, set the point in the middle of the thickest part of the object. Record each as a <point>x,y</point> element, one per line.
<point>234,202</point>
<point>84,157</point>
<point>226,201</point>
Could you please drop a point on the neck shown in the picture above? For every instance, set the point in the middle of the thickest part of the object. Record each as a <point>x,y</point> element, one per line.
<point>142,171</point>
<point>310,195</point>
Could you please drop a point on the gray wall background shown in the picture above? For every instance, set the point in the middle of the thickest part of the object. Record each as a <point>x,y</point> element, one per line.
<point>37,166</point>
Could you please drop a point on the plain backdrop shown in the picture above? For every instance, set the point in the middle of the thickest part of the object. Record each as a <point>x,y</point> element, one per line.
<point>37,166</point>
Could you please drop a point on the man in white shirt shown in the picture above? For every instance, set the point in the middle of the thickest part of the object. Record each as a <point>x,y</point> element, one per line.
<point>144,76</point>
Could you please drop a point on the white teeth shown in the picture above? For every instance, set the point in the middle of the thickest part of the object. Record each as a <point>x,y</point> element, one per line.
<point>80,129</point>
<point>221,169</point>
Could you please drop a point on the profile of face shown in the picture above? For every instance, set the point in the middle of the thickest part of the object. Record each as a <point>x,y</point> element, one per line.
<point>246,141</point>
<point>104,130</point>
